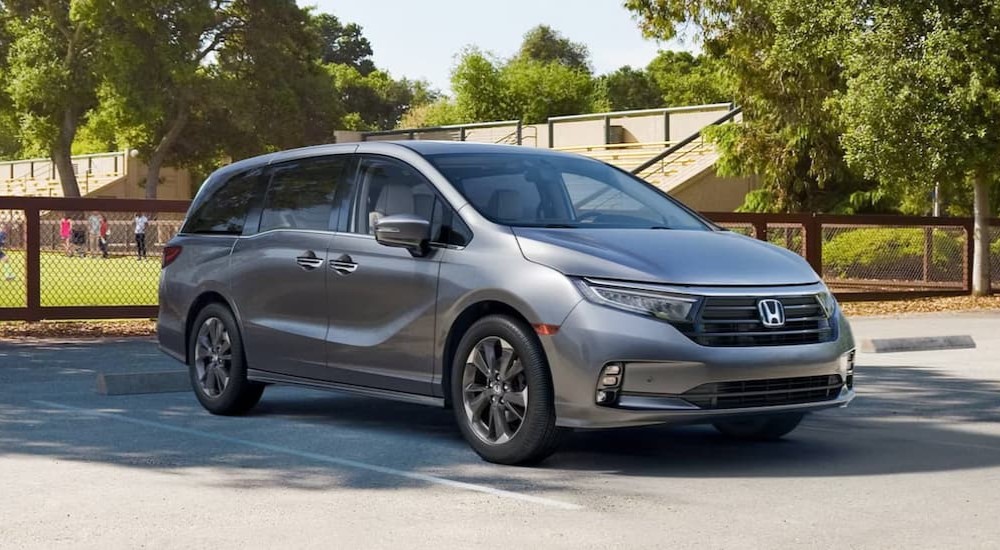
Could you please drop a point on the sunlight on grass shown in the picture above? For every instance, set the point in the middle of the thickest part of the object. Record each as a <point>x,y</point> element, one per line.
<point>118,280</point>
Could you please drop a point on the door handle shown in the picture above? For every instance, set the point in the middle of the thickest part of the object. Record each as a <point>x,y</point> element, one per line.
<point>343,265</point>
<point>309,261</point>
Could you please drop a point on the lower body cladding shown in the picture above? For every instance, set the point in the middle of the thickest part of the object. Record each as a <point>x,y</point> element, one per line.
<point>615,369</point>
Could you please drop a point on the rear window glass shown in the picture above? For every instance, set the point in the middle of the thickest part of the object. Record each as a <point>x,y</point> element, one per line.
<point>225,210</point>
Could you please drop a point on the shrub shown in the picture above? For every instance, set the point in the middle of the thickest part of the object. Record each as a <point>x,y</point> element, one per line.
<point>892,253</point>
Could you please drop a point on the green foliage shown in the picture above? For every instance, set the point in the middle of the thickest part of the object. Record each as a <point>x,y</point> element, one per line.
<point>889,253</point>
<point>343,44</point>
<point>782,59</point>
<point>923,96</point>
<point>627,89</point>
<point>685,79</point>
<point>521,88</point>
<point>439,113</point>
<point>375,101</point>
<point>546,45</point>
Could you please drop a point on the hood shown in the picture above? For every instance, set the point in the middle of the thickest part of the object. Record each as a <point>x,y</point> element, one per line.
<point>682,257</point>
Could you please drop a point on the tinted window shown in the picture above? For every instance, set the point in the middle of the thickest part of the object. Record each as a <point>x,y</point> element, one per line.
<point>225,210</point>
<point>544,190</point>
<point>301,194</point>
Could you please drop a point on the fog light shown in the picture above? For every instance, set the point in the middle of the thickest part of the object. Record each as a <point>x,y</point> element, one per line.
<point>609,382</point>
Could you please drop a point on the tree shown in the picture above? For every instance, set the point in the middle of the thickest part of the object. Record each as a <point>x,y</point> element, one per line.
<point>344,44</point>
<point>923,103</point>
<point>171,64</point>
<point>628,88</point>
<point>545,45</point>
<point>785,66</point>
<point>376,101</point>
<point>524,88</point>
<point>49,78</point>
<point>686,79</point>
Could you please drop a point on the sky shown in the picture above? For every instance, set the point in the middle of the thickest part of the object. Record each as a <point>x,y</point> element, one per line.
<point>418,39</point>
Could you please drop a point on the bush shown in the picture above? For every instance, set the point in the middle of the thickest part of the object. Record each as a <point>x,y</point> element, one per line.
<point>892,254</point>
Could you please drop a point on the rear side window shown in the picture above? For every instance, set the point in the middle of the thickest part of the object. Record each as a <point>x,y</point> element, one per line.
<point>225,210</point>
<point>302,193</point>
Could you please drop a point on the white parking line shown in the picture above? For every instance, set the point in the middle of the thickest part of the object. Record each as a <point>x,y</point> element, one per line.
<point>317,457</point>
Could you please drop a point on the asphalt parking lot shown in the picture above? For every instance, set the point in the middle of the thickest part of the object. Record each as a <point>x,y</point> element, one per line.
<point>914,462</point>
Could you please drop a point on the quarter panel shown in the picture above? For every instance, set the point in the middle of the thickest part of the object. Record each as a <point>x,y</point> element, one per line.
<point>202,266</point>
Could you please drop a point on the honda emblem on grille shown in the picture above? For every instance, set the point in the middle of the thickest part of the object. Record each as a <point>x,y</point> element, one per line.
<point>772,313</point>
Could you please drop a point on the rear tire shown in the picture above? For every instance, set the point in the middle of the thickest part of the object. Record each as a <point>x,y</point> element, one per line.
<point>218,365</point>
<point>502,394</point>
<point>760,428</point>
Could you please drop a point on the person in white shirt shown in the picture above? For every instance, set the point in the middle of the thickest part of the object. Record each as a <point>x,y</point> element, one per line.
<point>140,234</point>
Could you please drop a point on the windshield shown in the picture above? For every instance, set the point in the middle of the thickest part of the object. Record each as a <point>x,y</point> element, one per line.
<point>540,190</point>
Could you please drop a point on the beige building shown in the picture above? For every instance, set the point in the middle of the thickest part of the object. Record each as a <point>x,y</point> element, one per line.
<point>662,146</point>
<point>102,175</point>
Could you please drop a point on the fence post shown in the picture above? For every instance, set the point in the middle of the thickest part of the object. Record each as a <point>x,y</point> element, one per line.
<point>519,130</point>
<point>968,254</point>
<point>760,230</point>
<point>32,255</point>
<point>814,243</point>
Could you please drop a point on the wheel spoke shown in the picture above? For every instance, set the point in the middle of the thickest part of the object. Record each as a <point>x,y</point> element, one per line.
<point>225,357</point>
<point>517,398</point>
<point>513,410</point>
<point>507,358</point>
<point>489,353</point>
<point>500,422</point>
<point>227,343</point>
<point>513,370</point>
<point>221,378</point>
<point>477,404</point>
<point>479,361</point>
<point>204,344</point>
<point>209,383</point>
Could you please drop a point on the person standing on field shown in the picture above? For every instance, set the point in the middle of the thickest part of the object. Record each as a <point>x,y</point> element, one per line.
<point>103,236</point>
<point>65,230</point>
<point>93,233</point>
<point>140,235</point>
<point>8,274</point>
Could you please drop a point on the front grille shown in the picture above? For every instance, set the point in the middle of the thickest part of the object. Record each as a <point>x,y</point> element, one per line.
<point>763,393</point>
<point>735,321</point>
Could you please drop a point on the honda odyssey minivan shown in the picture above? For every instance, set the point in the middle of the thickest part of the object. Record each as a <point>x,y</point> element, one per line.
<point>530,291</point>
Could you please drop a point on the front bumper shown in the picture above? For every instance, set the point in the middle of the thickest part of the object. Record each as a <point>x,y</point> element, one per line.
<point>661,364</point>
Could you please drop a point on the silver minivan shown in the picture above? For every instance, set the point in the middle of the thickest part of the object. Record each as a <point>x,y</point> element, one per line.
<point>530,291</point>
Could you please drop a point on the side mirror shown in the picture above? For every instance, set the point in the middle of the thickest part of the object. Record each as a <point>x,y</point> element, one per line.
<point>404,231</point>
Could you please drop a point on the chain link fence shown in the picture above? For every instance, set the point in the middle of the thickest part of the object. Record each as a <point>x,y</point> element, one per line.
<point>83,258</point>
<point>12,261</point>
<point>103,258</point>
<point>893,257</point>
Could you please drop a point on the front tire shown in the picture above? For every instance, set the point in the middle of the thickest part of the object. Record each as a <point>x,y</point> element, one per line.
<point>760,428</point>
<point>502,393</point>
<point>218,364</point>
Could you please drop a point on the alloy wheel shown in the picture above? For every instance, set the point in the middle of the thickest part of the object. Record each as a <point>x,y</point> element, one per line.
<point>213,357</point>
<point>494,390</point>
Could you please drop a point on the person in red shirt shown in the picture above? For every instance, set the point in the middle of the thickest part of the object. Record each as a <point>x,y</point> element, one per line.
<point>103,236</point>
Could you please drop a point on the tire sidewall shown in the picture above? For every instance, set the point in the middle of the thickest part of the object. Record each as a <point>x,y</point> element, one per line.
<point>539,418</point>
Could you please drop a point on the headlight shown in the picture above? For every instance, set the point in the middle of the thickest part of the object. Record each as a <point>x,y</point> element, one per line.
<point>668,307</point>
<point>828,302</point>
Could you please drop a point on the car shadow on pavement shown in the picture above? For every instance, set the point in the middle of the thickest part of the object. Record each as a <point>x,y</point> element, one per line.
<point>906,420</point>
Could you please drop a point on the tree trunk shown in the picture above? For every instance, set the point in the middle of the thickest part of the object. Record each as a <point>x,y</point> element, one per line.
<point>981,236</point>
<point>162,149</point>
<point>62,154</point>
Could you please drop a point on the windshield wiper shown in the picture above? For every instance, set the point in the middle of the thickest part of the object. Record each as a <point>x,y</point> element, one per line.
<point>559,226</point>
<point>660,227</point>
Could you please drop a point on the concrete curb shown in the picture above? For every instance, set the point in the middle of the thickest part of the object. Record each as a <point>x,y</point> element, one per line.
<point>143,382</point>
<point>917,343</point>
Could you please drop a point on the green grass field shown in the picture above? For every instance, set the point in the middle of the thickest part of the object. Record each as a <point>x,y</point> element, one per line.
<point>116,281</point>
